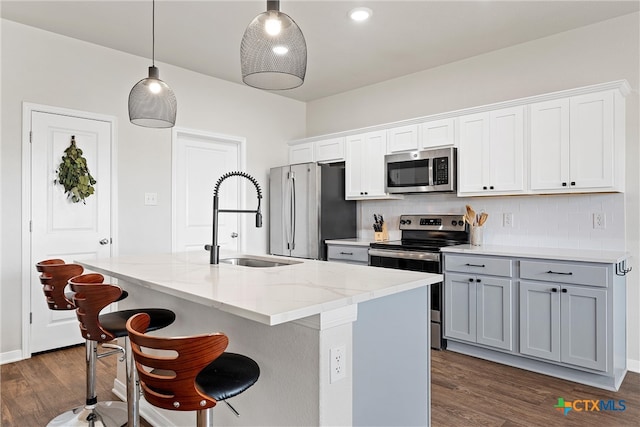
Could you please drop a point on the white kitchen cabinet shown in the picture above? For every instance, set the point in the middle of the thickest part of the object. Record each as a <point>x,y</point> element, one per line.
<point>491,153</point>
<point>301,153</point>
<point>329,150</point>
<point>402,138</point>
<point>479,307</point>
<point>364,166</point>
<point>438,133</point>
<point>574,145</point>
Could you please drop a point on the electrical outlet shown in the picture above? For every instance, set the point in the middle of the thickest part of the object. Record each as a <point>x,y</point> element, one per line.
<point>150,199</point>
<point>507,219</point>
<point>599,221</point>
<point>337,364</point>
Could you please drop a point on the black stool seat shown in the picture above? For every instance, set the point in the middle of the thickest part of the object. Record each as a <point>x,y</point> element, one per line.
<point>116,322</point>
<point>227,376</point>
<point>198,376</point>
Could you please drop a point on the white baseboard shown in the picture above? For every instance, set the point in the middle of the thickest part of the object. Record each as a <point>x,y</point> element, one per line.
<point>11,356</point>
<point>633,365</point>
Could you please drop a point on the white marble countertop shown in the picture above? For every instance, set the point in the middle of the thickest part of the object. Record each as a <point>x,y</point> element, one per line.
<point>357,241</point>
<point>560,254</point>
<point>271,295</point>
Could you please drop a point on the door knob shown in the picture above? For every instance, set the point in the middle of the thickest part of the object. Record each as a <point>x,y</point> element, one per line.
<point>104,242</point>
<point>234,235</point>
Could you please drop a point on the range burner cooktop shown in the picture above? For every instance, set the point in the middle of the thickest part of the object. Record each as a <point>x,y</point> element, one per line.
<point>428,233</point>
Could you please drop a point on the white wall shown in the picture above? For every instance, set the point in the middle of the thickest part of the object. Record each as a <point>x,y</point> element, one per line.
<point>45,68</point>
<point>598,53</point>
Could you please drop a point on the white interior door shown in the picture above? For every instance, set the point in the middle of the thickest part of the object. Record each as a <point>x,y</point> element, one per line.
<point>59,227</point>
<point>199,160</point>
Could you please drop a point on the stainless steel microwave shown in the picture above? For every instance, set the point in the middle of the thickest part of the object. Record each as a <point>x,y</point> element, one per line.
<point>421,171</point>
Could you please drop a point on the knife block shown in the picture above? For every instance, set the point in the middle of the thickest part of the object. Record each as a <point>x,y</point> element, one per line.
<point>382,236</point>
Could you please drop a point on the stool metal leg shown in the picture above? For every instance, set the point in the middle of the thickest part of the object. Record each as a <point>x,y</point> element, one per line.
<point>93,413</point>
<point>203,418</point>
<point>133,388</point>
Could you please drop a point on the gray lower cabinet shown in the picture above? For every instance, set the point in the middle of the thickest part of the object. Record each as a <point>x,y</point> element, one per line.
<point>561,322</point>
<point>479,308</point>
<point>350,254</point>
<point>561,318</point>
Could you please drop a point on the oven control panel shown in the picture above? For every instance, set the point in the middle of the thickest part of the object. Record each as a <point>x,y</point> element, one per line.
<point>450,222</point>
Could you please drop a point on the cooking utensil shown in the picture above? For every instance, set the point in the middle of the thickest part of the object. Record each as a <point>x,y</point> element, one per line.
<point>483,218</point>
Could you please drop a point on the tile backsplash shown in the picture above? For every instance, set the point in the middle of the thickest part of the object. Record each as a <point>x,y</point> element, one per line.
<point>555,221</point>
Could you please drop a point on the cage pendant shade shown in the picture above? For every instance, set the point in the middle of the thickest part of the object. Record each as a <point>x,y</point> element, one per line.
<point>152,103</point>
<point>273,58</point>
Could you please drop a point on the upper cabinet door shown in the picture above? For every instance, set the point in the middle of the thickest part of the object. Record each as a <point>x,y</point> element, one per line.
<point>506,149</point>
<point>364,166</point>
<point>329,150</point>
<point>592,140</point>
<point>473,153</point>
<point>301,153</point>
<point>549,145</point>
<point>438,133</point>
<point>402,138</point>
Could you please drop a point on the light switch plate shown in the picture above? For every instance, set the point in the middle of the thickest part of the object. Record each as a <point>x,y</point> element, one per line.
<point>150,199</point>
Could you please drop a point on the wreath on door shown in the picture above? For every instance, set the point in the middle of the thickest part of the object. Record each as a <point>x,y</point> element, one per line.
<point>73,174</point>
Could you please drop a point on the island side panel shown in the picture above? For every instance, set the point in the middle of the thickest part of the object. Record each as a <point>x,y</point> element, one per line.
<point>392,360</point>
<point>287,392</point>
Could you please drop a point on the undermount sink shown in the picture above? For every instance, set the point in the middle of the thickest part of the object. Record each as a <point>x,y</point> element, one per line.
<point>257,262</point>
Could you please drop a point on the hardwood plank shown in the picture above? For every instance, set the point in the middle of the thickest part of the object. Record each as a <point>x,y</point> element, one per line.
<point>465,391</point>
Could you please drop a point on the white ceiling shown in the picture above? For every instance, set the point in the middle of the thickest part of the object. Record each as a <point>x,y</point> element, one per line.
<point>403,37</point>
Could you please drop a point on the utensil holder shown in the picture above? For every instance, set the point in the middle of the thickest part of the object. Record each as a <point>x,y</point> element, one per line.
<point>381,236</point>
<point>476,235</point>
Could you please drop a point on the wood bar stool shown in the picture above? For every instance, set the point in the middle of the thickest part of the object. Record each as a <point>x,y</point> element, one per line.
<point>91,296</point>
<point>188,373</point>
<point>54,275</point>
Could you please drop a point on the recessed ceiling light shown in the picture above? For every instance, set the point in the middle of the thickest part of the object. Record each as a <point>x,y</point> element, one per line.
<point>360,14</point>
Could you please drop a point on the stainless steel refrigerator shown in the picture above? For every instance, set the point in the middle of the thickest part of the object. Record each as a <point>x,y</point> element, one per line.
<point>307,207</point>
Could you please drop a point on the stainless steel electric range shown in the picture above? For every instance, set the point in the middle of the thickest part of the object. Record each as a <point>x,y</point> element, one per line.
<point>419,250</point>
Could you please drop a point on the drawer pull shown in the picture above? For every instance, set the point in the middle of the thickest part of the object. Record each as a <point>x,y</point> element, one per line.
<point>559,272</point>
<point>346,253</point>
<point>475,265</point>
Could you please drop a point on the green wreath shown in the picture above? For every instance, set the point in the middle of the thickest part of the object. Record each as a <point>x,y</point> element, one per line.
<point>74,175</point>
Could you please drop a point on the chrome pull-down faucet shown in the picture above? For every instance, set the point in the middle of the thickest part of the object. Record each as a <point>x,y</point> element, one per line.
<point>214,249</point>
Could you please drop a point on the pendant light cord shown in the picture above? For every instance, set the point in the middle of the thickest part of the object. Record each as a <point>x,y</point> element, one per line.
<point>153,33</point>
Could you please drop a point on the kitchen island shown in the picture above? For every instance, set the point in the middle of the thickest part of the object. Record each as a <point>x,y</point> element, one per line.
<point>291,319</point>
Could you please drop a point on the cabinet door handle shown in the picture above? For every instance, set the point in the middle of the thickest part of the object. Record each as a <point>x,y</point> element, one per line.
<point>478,280</point>
<point>471,279</point>
<point>559,272</point>
<point>346,253</point>
<point>573,183</point>
<point>475,265</point>
<point>554,290</point>
<point>564,291</point>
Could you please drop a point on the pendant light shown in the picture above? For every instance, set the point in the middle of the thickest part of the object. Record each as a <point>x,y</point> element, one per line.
<point>152,103</point>
<point>273,53</point>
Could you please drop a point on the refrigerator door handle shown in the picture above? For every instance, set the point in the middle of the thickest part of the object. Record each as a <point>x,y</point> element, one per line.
<point>287,207</point>
<point>293,211</point>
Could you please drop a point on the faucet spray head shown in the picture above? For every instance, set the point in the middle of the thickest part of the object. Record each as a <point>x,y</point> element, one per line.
<point>258,219</point>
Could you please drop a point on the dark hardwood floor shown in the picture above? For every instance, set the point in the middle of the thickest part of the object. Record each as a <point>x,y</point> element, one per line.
<point>465,392</point>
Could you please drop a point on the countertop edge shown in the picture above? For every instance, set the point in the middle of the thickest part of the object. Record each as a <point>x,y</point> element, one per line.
<point>559,254</point>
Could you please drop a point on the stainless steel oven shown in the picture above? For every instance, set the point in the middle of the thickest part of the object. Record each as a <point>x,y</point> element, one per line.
<point>419,250</point>
<point>421,171</point>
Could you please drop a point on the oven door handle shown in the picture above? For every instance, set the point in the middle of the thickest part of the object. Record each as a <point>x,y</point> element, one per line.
<point>422,256</point>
